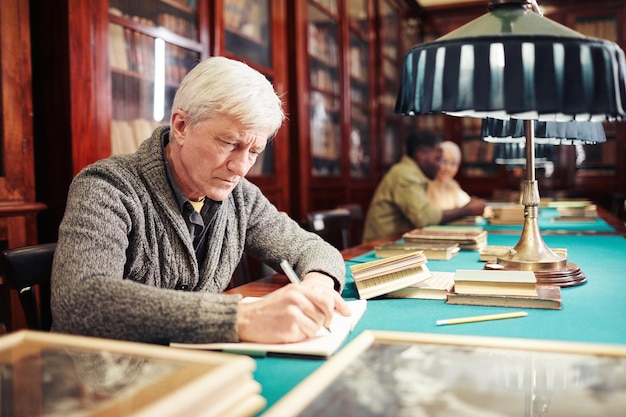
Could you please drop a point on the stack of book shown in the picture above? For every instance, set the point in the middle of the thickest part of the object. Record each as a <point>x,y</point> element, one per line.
<point>467,237</point>
<point>382,276</point>
<point>438,251</point>
<point>580,213</point>
<point>505,213</point>
<point>503,288</point>
<point>491,253</point>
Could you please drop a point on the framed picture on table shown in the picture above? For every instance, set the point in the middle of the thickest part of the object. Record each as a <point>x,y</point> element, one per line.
<point>413,374</point>
<point>51,374</point>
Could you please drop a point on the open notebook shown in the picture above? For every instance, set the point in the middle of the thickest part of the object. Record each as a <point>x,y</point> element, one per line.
<point>322,345</point>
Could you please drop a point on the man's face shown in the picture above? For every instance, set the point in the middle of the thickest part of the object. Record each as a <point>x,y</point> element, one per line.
<point>215,154</point>
<point>429,160</point>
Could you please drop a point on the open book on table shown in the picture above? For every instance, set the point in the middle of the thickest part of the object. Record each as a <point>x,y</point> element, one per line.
<point>322,345</point>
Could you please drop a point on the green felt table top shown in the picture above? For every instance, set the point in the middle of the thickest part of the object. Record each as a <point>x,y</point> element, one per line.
<point>546,222</point>
<point>594,312</point>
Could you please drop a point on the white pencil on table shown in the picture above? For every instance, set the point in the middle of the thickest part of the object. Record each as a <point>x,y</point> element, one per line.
<point>487,317</point>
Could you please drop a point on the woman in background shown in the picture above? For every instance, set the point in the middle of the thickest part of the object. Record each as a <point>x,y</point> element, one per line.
<point>444,191</point>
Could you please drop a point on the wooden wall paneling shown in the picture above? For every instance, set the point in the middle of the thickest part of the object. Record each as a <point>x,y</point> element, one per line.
<point>18,208</point>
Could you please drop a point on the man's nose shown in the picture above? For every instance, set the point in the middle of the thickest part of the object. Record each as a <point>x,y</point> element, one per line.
<point>241,162</point>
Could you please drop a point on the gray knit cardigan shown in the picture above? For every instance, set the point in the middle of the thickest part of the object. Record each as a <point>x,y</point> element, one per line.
<point>125,266</point>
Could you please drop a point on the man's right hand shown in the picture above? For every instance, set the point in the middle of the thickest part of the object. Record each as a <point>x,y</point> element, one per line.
<point>290,314</point>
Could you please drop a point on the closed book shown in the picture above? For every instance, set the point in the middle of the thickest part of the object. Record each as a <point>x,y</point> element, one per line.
<point>467,237</point>
<point>438,251</point>
<point>491,253</point>
<point>574,219</point>
<point>498,282</point>
<point>548,297</point>
<point>437,287</point>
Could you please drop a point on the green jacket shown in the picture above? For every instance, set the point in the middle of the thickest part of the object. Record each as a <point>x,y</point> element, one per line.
<point>125,266</point>
<point>400,202</point>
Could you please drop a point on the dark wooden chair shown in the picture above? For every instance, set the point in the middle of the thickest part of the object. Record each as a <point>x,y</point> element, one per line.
<point>356,216</point>
<point>617,204</point>
<point>26,268</point>
<point>332,225</point>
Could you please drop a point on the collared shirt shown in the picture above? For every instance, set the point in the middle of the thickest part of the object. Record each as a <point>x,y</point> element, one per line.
<point>198,223</point>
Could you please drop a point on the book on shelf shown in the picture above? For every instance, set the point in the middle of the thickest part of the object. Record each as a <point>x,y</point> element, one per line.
<point>548,297</point>
<point>439,251</point>
<point>467,237</point>
<point>379,277</point>
<point>324,344</point>
<point>490,253</point>
<point>495,282</point>
<point>437,287</point>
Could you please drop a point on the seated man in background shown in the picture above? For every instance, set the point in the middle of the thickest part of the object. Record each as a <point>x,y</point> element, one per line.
<point>444,191</point>
<point>400,202</point>
<point>150,240</point>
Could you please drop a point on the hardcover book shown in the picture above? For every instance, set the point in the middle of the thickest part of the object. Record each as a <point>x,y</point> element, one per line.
<point>495,282</point>
<point>438,251</point>
<point>468,238</point>
<point>490,253</point>
<point>548,297</point>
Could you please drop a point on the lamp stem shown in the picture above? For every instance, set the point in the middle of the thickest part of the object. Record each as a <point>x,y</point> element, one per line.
<point>531,253</point>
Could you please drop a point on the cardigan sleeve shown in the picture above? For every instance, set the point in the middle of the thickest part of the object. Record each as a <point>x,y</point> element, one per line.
<point>272,235</point>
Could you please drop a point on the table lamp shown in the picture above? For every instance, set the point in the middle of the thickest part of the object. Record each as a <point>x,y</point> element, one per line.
<point>513,131</point>
<point>514,64</point>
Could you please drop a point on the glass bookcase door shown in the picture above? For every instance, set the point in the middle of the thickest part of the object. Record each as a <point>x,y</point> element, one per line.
<point>324,103</point>
<point>360,114</point>
<point>390,83</point>
<point>152,45</point>
<point>398,33</point>
<point>247,30</point>
<point>247,37</point>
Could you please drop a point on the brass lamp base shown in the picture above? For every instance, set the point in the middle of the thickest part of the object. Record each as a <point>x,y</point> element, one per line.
<point>532,254</point>
<point>570,275</point>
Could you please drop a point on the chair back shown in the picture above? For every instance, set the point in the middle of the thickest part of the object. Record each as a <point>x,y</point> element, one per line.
<point>26,268</point>
<point>356,216</point>
<point>332,225</point>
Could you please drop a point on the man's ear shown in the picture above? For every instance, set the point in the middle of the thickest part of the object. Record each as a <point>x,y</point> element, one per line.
<point>179,125</point>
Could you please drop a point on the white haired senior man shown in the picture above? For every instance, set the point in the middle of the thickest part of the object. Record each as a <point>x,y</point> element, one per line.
<point>150,240</point>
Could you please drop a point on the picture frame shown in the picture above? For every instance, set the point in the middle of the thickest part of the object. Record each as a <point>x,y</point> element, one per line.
<point>383,373</point>
<point>52,374</point>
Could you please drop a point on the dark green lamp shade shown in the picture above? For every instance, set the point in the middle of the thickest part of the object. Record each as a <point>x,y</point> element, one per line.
<point>513,62</point>
<point>554,133</point>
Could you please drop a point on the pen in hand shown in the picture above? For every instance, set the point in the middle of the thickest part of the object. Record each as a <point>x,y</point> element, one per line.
<point>293,277</point>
